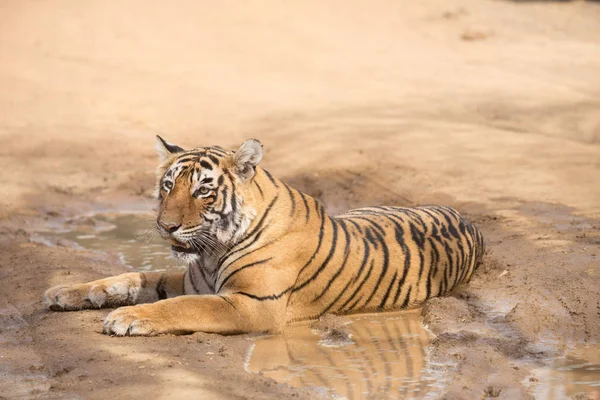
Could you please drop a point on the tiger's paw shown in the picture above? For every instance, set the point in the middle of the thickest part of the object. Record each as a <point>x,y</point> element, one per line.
<point>74,297</point>
<point>109,292</point>
<point>140,320</point>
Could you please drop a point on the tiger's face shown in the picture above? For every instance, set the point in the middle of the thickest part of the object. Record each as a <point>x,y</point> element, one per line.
<point>201,194</point>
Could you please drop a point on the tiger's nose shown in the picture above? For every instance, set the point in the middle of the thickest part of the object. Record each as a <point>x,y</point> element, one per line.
<point>169,227</point>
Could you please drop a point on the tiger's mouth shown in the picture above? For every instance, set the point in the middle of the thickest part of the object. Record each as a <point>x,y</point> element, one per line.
<point>181,247</point>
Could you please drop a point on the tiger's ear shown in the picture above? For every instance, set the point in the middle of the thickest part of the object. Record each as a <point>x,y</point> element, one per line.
<point>166,149</point>
<point>247,157</point>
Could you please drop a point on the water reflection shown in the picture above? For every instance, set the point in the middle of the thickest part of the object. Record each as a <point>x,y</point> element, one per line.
<point>386,358</point>
<point>576,375</point>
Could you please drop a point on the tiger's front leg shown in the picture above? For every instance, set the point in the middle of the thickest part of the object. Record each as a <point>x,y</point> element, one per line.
<point>223,314</point>
<point>121,290</point>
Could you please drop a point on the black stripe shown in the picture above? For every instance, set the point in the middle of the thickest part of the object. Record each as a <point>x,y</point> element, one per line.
<point>431,214</point>
<point>228,301</point>
<point>250,234</point>
<point>263,298</point>
<point>259,188</point>
<point>375,224</point>
<point>292,199</point>
<point>364,261</point>
<point>407,299</point>
<point>233,200</point>
<point>355,224</point>
<point>384,268</point>
<point>161,287</point>
<point>213,159</point>
<point>399,236</point>
<point>449,271</point>
<point>343,265</point>
<point>470,250</point>
<point>186,158</point>
<point>205,165</point>
<point>419,239</point>
<point>224,199</point>
<point>445,278</point>
<point>415,216</point>
<point>327,259</point>
<point>360,285</point>
<point>217,149</point>
<point>258,235</point>
<point>434,256</point>
<point>388,291</point>
<point>321,233</point>
<point>462,266</point>
<point>335,300</point>
<point>351,306</point>
<point>271,178</point>
<point>371,238</point>
<point>241,268</point>
<point>417,236</point>
<point>460,253</point>
<point>435,234</point>
<point>303,196</point>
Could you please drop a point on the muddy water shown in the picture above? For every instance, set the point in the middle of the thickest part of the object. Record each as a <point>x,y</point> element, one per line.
<point>575,374</point>
<point>375,356</point>
<point>131,236</point>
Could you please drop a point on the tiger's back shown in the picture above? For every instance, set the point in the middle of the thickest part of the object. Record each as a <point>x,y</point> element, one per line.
<point>384,258</point>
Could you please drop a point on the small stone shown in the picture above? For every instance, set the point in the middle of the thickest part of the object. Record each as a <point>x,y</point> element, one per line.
<point>493,391</point>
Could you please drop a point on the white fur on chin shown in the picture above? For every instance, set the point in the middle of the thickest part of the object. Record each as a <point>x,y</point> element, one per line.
<point>188,258</point>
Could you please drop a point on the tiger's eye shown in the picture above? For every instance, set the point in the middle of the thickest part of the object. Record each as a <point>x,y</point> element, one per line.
<point>202,191</point>
<point>168,185</point>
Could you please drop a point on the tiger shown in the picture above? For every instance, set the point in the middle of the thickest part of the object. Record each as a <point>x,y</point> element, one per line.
<point>261,254</point>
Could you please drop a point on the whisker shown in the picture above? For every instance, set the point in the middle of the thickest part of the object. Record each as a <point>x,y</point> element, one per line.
<point>209,242</point>
<point>152,210</point>
<point>147,236</point>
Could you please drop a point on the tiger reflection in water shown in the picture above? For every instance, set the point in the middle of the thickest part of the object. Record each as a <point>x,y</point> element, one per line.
<point>386,359</point>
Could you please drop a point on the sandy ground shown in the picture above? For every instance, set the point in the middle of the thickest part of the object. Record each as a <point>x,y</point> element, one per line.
<point>489,106</point>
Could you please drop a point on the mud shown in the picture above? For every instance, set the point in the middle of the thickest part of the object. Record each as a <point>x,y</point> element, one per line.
<point>487,106</point>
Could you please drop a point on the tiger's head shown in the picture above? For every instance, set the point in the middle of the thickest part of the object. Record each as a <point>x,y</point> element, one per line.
<point>204,196</point>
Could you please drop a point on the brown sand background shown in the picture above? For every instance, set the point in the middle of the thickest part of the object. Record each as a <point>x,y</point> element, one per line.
<point>489,106</point>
